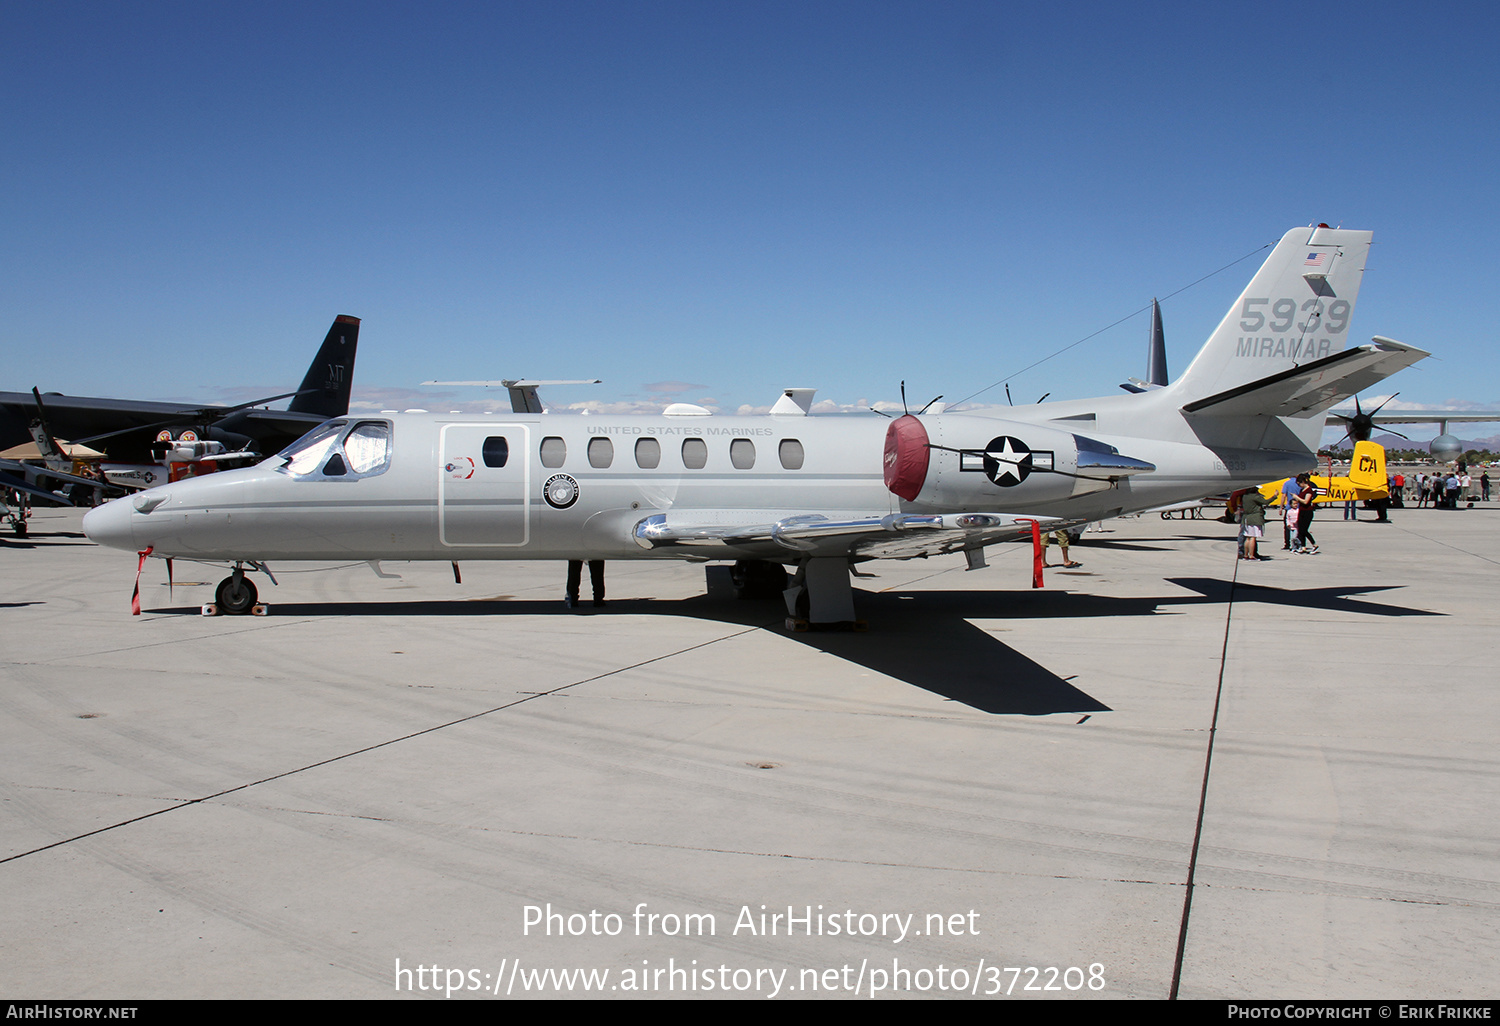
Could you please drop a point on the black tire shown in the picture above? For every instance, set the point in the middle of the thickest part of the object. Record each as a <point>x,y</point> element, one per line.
<point>758,579</point>
<point>236,595</point>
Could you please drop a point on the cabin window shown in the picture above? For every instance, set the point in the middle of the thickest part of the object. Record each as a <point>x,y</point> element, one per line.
<point>647,453</point>
<point>601,453</point>
<point>496,451</point>
<point>694,453</point>
<point>742,453</point>
<point>554,452</point>
<point>791,454</point>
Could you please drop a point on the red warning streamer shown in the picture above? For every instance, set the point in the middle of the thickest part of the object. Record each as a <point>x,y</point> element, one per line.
<point>135,596</point>
<point>1038,554</point>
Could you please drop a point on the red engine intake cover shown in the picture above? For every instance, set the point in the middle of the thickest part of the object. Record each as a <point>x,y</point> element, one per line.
<point>906,455</point>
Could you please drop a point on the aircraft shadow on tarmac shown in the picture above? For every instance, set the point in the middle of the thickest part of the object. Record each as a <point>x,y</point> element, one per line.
<point>43,540</point>
<point>925,638</point>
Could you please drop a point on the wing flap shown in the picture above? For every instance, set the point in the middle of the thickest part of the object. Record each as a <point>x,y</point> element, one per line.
<point>724,534</point>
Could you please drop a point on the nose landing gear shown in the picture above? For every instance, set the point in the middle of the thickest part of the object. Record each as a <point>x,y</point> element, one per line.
<point>235,596</point>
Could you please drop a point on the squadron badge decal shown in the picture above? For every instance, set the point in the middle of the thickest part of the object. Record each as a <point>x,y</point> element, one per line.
<point>560,491</point>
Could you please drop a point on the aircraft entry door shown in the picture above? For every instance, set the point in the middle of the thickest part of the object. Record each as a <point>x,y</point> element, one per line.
<point>484,485</point>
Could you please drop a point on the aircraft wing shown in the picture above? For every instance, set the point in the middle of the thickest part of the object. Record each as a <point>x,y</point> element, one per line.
<point>724,534</point>
<point>28,472</point>
<point>1313,387</point>
<point>265,424</point>
<point>9,481</point>
<point>25,478</point>
<point>1338,417</point>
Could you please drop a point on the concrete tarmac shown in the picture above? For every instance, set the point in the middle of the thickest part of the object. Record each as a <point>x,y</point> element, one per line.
<point>408,787</point>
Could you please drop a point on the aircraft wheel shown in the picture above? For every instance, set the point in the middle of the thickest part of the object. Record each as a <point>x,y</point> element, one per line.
<point>20,527</point>
<point>236,596</point>
<point>758,579</point>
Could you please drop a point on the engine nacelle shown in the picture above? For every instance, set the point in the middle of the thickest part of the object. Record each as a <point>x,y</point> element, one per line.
<point>966,462</point>
<point>1446,447</point>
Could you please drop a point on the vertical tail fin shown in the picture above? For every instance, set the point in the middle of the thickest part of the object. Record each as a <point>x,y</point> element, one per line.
<point>1367,471</point>
<point>1295,310</point>
<point>331,372</point>
<point>1156,359</point>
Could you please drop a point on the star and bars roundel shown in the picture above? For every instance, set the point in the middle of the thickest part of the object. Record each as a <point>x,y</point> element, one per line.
<point>1005,460</point>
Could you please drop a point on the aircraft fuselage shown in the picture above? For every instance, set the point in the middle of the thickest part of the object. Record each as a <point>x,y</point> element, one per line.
<point>507,486</point>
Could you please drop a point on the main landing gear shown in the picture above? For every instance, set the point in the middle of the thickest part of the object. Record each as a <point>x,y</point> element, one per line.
<point>819,597</point>
<point>758,579</point>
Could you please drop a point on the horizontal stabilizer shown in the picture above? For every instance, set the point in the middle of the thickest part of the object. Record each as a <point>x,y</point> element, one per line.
<point>1313,387</point>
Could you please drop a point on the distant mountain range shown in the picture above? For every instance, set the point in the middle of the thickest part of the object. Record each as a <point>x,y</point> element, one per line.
<point>1418,441</point>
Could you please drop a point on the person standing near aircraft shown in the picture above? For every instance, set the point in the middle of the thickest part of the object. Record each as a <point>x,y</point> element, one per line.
<point>575,578</point>
<point>1306,500</point>
<point>1289,489</point>
<point>1484,486</point>
<point>1252,523</point>
<point>1063,540</point>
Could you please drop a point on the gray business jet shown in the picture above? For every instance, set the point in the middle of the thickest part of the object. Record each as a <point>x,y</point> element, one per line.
<point>789,489</point>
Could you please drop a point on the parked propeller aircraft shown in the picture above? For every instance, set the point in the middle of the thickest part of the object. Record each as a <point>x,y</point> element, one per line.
<point>817,493</point>
<point>133,426</point>
<point>1445,446</point>
<point>1366,480</point>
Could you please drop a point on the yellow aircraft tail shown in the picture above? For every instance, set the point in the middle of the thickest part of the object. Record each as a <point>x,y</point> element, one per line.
<point>1367,470</point>
<point>1366,479</point>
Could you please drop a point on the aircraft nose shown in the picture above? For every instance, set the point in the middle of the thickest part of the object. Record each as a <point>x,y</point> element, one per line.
<point>109,524</point>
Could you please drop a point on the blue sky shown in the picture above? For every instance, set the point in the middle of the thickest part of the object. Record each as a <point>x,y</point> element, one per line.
<point>712,200</point>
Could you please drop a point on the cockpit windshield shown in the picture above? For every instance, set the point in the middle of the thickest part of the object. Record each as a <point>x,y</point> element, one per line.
<point>336,451</point>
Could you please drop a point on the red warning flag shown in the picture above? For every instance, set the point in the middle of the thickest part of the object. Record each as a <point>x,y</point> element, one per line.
<point>135,596</point>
